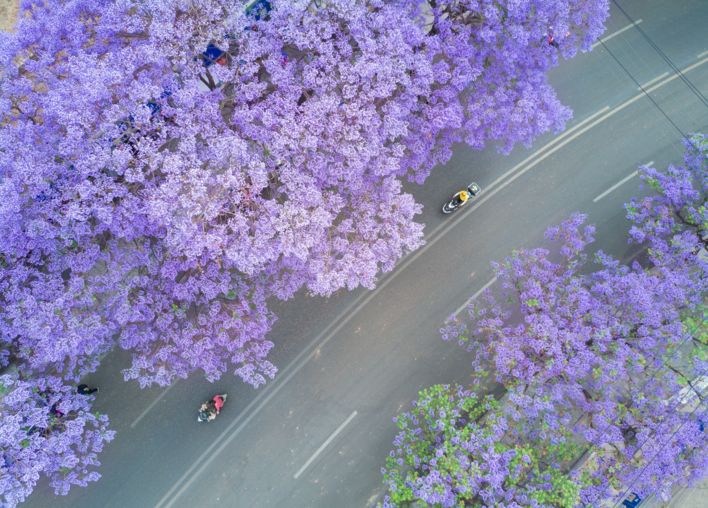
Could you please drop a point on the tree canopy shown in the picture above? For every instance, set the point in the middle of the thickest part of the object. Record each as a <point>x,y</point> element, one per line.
<point>597,358</point>
<point>167,167</point>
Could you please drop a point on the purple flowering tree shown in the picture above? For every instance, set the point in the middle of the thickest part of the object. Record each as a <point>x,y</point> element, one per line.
<point>457,449</point>
<point>601,353</point>
<point>673,221</point>
<point>489,62</point>
<point>604,363</point>
<point>47,430</point>
<point>165,195</point>
<point>156,198</point>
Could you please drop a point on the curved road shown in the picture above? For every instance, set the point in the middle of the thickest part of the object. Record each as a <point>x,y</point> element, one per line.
<point>318,435</point>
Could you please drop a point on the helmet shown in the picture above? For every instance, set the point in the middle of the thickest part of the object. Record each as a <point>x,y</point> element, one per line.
<point>463,196</point>
<point>473,189</point>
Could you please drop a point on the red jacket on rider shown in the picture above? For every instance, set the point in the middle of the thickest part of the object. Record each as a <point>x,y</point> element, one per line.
<point>218,403</point>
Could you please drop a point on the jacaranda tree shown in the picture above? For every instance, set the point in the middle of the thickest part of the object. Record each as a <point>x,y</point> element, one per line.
<point>457,449</point>
<point>47,430</point>
<point>169,199</point>
<point>600,357</point>
<point>603,354</point>
<point>167,167</point>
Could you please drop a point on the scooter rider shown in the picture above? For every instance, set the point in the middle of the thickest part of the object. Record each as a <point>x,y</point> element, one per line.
<point>463,196</point>
<point>210,409</point>
<point>218,402</point>
<point>460,198</point>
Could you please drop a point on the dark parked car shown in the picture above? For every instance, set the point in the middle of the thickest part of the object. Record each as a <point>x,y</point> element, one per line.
<point>632,501</point>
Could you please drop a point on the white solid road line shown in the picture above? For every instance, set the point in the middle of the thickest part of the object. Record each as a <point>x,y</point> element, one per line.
<point>652,81</point>
<point>550,144</point>
<point>702,54</point>
<point>614,34</point>
<point>147,410</point>
<point>673,77</point>
<point>299,362</point>
<point>324,445</point>
<point>486,194</point>
<point>602,118</point>
<point>255,406</point>
<point>474,296</point>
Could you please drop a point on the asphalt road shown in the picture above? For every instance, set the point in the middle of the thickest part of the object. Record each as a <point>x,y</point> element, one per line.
<point>318,435</point>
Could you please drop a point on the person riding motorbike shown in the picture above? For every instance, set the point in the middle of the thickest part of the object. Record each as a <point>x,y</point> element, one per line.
<point>210,409</point>
<point>460,198</point>
<point>463,196</point>
<point>218,402</point>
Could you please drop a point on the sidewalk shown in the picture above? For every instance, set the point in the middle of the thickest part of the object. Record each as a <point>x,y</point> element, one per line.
<point>693,497</point>
<point>8,14</point>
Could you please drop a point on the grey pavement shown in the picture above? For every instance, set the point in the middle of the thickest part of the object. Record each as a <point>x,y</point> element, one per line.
<point>692,497</point>
<point>695,496</point>
<point>318,434</point>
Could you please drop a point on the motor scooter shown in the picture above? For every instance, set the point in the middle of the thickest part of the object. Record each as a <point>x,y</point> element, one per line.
<point>211,408</point>
<point>459,199</point>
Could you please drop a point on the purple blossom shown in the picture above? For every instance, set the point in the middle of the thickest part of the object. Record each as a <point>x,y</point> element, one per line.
<point>150,202</point>
<point>47,430</point>
<point>601,351</point>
